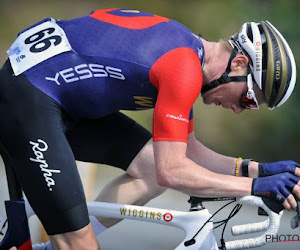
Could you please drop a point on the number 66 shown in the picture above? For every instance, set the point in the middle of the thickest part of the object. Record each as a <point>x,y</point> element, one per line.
<point>44,44</point>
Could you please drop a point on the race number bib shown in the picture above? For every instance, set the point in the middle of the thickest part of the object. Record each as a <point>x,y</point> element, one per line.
<point>37,45</point>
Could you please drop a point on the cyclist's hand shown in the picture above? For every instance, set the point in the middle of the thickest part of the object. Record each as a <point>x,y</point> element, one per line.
<point>268,169</point>
<point>278,187</point>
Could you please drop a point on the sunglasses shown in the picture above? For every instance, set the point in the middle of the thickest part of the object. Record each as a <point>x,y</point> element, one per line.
<point>248,99</point>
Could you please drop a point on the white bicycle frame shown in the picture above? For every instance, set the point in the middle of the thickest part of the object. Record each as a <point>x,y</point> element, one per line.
<point>190,222</point>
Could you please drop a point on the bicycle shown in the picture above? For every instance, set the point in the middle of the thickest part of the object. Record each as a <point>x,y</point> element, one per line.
<point>196,237</point>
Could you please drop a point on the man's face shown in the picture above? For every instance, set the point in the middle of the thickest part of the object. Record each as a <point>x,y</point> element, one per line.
<point>228,95</point>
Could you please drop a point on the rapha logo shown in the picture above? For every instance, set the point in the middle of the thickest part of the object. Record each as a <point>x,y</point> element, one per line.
<point>38,148</point>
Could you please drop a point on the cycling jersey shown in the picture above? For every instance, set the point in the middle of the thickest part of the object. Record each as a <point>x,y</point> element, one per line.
<point>62,103</point>
<point>125,60</point>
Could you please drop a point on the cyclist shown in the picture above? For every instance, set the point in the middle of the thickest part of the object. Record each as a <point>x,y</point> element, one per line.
<point>66,80</point>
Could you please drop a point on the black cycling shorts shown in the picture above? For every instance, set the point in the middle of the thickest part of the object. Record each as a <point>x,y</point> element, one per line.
<point>42,142</point>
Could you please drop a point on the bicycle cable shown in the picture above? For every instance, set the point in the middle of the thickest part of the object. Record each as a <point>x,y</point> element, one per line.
<point>232,214</point>
<point>192,240</point>
<point>234,211</point>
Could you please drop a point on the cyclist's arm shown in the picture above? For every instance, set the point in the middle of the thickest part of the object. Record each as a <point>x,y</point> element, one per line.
<point>214,161</point>
<point>226,165</point>
<point>177,75</point>
<point>175,170</point>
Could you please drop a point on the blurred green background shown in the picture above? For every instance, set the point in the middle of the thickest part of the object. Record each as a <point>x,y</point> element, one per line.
<point>262,135</point>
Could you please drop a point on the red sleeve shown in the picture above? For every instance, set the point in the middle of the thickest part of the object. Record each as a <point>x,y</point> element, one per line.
<point>178,77</point>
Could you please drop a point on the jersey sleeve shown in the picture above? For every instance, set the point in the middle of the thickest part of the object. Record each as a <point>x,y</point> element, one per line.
<point>178,77</point>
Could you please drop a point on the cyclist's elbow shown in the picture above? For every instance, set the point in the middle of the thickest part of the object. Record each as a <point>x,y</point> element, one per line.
<point>166,180</point>
<point>163,181</point>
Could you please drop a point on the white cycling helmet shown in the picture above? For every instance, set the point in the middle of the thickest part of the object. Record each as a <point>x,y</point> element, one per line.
<point>273,65</point>
<point>271,61</point>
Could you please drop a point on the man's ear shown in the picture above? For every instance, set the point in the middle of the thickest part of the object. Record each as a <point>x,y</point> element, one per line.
<point>240,61</point>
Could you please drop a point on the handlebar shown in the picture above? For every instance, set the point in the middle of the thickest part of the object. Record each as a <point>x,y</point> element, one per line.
<point>250,228</point>
<point>270,226</point>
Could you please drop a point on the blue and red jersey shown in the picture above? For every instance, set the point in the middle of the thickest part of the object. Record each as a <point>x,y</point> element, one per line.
<point>126,60</point>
